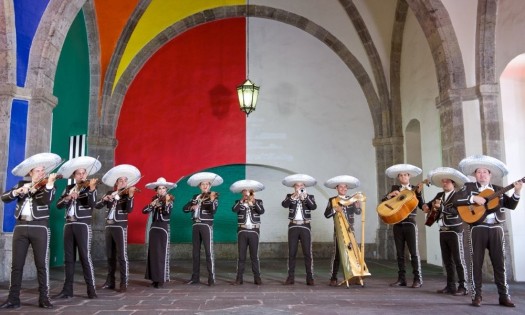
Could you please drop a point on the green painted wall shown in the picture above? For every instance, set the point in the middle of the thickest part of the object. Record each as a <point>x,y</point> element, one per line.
<point>70,116</point>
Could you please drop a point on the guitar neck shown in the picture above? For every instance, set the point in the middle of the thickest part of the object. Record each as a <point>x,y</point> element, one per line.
<point>503,190</point>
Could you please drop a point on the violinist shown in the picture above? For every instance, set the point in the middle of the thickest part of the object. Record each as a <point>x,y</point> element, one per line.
<point>158,262</point>
<point>79,200</point>
<point>249,211</point>
<point>33,198</point>
<point>203,207</point>
<point>119,203</point>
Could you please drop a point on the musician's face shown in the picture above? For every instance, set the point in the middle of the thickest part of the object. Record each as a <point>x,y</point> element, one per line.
<point>483,176</point>
<point>404,178</point>
<point>245,192</point>
<point>121,182</point>
<point>37,173</point>
<point>80,174</point>
<point>162,190</point>
<point>447,184</point>
<point>342,189</point>
<point>298,186</point>
<point>205,186</point>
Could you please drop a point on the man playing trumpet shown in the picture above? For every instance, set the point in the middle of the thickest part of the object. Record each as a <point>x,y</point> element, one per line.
<point>249,210</point>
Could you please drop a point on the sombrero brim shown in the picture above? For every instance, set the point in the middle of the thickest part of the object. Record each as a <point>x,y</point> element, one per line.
<point>90,164</point>
<point>436,175</point>
<point>48,160</point>
<point>212,178</point>
<point>247,184</point>
<point>291,180</point>
<point>395,170</point>
<point>124,170</point>
<point>156,184</point>
<point>350,181</point>
<point>469,165</point>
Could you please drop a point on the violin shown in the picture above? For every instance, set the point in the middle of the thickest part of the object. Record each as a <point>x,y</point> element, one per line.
<point>209,194</point>
<point>166,198</point>
<point>125,191</point>
<point>43,182</point>
<point>85,183</point>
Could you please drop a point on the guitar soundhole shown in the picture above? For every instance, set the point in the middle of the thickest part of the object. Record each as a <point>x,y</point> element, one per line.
<point>401,197</point>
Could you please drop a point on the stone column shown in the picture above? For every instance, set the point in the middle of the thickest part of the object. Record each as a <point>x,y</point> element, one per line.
<point>450,108</point>
<point>389,151</point>
<point>104,148</point>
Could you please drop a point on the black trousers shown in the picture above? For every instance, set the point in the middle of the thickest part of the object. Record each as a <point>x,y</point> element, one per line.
<point>158,263</point>
<point>116,248</point>
<point>451,244</point>
<point>488,237</point>
<point>300,233</point>
<point>77,236</point>
<point>248,239</point>
<point>202,233</point>
<point>36,234</point>
<point>406,232</point>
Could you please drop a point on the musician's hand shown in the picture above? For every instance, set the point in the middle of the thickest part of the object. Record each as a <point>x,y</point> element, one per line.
<point>338,209</point>
<point>419,187</point>
<point>107,198</point>
<point>93,184</point>
<point>479,200</point>
<point>213,196</point>
<point>52,178</point>
<point>517,187</point>
<point>21,191</point>
<point>393,194</point>
<point>356,204</point>
<point>131,191</point>
<point>72,195</point>
<point>426,209</point>
<point>194,207</point>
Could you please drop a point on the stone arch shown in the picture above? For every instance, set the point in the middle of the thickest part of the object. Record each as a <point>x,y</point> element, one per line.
<point>112,105</point>
<point>8,47</point>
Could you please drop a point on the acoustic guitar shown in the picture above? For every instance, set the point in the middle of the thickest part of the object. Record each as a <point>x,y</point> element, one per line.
<point>474,213</point>
<point>432,216</point>
<point>396,209</point>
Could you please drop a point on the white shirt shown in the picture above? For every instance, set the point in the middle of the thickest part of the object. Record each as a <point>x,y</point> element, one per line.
<point>299,211</point>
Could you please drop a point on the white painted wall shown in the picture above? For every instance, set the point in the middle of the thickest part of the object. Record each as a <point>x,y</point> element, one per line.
<point>312,118</point>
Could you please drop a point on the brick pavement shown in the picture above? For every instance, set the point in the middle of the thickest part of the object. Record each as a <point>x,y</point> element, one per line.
<point>375,297</point>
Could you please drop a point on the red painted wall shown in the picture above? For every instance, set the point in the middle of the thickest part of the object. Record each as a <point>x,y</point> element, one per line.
<point>181,113</point>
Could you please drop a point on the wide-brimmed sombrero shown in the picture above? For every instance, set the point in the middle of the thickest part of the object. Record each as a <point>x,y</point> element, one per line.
<point>248,184</point>
<point>123,170</point>
<point>48,160</point>
<point>212,178</point>
<point>90,164</point>
<point>436,175</point>
<point>395,170</point>
<point>161,181</point>
<point>350,181</point>
<point>469,165</point>
<point>291,180</point>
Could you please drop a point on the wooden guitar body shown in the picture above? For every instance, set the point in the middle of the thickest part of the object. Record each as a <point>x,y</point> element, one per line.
<point>397,209</point>
<point>432,217</point>
<point>474,213</point>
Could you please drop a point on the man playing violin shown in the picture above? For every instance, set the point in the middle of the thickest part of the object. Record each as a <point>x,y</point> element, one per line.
<point>405,232</point>
<point>119,203</point>
<point>158,261</point>
<point>33,198</point>
<point>78,200</point>
<point>203,207</point>
<point>487,233</point>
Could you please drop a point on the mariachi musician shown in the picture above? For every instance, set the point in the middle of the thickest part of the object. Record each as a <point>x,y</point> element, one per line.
<point>33,198</point>
<point>249,211</point>
<point>119,203</point>
<point>300,204</point>
<point>79,200</point>
<point>405,232</point>
<point>158,262</point>
<point>203,207</point>
<point>441,209</point>
<point>341,183</point>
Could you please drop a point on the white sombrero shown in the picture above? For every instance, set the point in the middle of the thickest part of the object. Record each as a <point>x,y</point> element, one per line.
<point>161,181</point>
<point>436,175</point>
<point>247,184</point>
<point>350,181</point>
<point>291,180</point>
<point>395,170</point>
<point>90,164</point>
<point>469,165</point>
<point>48,160</point>
<point>123,170</point>
<point>212,178</point>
